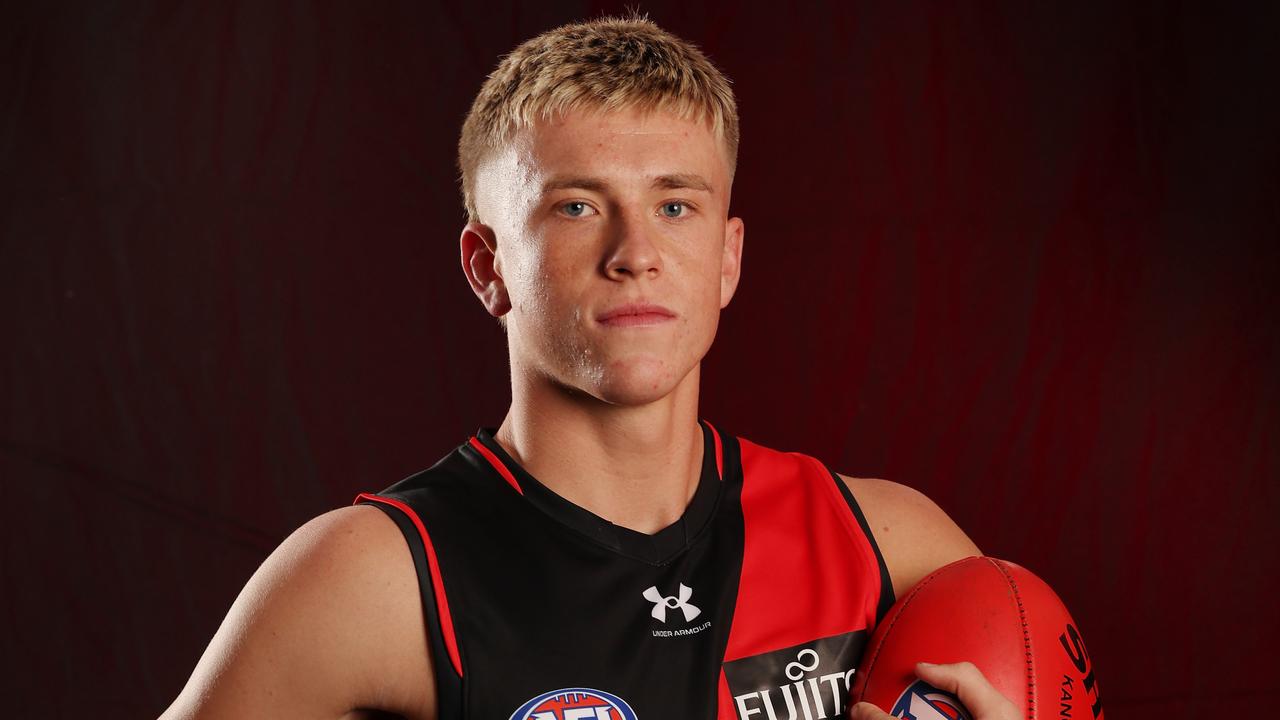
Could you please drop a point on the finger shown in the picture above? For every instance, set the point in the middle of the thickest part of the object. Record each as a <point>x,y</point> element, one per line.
<point>867,711</point>
<point>966,681</point>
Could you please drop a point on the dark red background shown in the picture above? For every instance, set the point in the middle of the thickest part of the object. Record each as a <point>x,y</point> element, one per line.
<point>1025,260</point>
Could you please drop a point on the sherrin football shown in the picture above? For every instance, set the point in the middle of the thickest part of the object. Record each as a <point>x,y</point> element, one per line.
<point>996,615</point>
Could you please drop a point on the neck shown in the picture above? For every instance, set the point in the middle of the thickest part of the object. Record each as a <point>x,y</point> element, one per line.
<point>636,466</point>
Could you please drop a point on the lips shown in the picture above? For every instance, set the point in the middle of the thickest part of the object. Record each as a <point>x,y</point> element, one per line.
<point>635,314</point>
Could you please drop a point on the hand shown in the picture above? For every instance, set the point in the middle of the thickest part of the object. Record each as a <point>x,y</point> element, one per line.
<point>962,679</point>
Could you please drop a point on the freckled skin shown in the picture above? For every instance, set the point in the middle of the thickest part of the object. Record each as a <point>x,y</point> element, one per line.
<point>564,257</point>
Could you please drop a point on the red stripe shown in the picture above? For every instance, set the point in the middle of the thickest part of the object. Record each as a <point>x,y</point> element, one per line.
<point>496,463</point>
<point>437,582</point>
<point>719,451</point>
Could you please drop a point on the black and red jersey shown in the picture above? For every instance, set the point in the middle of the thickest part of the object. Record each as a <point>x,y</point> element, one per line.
<point>756,603</point>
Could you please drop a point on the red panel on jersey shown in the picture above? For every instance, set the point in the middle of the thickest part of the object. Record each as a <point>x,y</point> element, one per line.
<point>808,570</point>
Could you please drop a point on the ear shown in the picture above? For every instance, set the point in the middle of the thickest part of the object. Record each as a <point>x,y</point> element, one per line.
<point>731,260</point>
<point>480,264</point>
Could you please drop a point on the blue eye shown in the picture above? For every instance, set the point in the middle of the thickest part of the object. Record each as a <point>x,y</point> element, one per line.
<point>575,209</point>
<point>673,209</point>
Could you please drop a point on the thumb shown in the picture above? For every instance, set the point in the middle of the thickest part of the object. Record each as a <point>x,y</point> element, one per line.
<point>965,681</point>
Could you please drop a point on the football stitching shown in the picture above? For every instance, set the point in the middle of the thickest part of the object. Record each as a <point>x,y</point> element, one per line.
<point>1026,640</point>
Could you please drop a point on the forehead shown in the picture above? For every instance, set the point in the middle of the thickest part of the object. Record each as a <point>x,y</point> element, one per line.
<point>617,145</point>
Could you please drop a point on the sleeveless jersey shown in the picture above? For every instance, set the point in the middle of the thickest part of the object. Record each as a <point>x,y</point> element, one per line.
<point>756,603</point>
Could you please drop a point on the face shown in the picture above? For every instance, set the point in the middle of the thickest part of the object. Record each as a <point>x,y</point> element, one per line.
<point>587,217</point>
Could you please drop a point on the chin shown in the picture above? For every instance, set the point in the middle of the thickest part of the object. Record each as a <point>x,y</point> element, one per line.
<point>636,382</point>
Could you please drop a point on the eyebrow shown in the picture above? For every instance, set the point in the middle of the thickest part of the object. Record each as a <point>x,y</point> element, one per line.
<point>675,181</point>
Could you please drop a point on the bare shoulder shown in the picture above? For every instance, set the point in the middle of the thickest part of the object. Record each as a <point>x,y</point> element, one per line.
<point>330,626</point>
<point>915,536</point>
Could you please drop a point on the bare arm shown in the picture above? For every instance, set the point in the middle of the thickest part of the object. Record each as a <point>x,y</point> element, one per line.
<point>330,626</point>
<point>915,536</point>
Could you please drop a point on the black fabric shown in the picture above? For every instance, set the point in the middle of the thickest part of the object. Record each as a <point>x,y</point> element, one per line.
<point>656,548</point>
<point>448,682</point>
<point>536,608</point>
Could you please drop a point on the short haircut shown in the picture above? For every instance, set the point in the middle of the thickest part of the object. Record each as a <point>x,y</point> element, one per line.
<point>611,63</point>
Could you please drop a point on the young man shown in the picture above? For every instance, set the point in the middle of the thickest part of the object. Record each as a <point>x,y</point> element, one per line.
<point>603,553</point>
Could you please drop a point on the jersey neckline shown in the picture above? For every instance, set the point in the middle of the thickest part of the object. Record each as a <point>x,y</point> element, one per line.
<point>657,548</point>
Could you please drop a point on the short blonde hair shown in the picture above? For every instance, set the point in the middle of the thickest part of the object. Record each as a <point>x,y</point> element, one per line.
<point>611,63</point>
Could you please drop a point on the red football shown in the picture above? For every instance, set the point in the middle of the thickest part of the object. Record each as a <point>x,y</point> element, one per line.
<point>996,615</point>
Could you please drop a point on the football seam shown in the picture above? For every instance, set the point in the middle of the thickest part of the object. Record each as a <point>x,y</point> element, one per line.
<point>1026,640</point>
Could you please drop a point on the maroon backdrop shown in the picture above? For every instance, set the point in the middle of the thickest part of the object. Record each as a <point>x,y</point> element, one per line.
<point>1022,259</point>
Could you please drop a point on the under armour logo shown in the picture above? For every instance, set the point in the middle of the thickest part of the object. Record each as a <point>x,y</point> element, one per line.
<point>681,601</point>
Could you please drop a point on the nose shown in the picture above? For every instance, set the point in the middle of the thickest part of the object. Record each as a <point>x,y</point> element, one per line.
<point>632,251</point>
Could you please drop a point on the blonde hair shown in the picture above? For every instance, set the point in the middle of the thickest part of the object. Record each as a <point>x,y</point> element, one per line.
<point>612,63</point>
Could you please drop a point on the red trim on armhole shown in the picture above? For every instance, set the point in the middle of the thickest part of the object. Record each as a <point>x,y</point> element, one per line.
<point>496,463</point>
<point>437,582</point>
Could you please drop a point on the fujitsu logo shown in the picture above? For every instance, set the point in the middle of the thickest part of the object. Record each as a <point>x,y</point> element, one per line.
<point>679,602</point>
<point>818,697</point>
<point>808,681</point>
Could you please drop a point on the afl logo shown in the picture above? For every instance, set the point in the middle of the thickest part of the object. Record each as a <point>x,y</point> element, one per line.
<point>575,704</point>
<point>922,701</point>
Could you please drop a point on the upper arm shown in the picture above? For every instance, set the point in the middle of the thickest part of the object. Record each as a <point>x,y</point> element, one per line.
<point>914,535</point>
<point>330,623</point>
